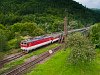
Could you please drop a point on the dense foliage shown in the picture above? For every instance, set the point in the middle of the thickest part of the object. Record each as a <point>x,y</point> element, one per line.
<point>82,50</point>
<point>13,11</point>
<point>37,17</point>
<point>14,43</point>
<point>95,34</point>
<point>3,40</point>
<point>26,29</point>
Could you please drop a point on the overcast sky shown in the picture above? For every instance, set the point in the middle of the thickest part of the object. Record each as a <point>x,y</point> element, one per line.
<point>90,3</point>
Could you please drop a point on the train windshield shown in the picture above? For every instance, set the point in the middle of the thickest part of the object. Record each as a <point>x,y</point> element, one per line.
<point>23,43</point>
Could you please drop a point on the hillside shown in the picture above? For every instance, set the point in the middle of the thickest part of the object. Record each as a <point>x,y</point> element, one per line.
<point>96,10</point>
<point>37,17</point>
<point>45,11</point>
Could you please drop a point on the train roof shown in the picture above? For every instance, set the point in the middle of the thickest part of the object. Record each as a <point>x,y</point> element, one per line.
<point>35,39</point>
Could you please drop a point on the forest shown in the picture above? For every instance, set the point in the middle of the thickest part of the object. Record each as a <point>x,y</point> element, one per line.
<point>45,12</point>
<point>19,18</point>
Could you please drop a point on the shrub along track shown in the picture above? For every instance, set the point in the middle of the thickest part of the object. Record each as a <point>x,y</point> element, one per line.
<point>6,60</point>
<point>22,68</point>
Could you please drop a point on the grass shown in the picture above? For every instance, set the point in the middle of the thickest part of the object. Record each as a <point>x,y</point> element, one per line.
<point>58,65</point>
<point>24,58</point>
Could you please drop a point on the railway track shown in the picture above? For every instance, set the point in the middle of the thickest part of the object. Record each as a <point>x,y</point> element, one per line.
<point>6,60</point>
<point>2,62</point>
<point>22,68</point>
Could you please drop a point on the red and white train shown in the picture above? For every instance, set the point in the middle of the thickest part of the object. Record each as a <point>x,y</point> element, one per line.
<point>33,43</point>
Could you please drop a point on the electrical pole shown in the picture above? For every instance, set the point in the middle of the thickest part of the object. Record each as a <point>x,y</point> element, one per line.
<point>65,32</point>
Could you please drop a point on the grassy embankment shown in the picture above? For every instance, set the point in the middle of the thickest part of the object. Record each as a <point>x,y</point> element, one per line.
<point>4,54</point>
<point>58,65</point>
<point>24,58</point>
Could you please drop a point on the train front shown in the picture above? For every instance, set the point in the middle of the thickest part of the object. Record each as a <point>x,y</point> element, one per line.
<point>24,46</point>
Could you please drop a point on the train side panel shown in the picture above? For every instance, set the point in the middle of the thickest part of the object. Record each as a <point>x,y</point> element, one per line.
<point>36,44</point>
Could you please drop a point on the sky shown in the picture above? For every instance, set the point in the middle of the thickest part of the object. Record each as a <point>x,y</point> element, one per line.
<point>90,3</point>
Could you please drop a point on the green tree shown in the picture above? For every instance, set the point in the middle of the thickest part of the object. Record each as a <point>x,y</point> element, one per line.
<point>9,19</point>
<point>75,24</point>
<point>2,27</point>
<point>82,50</point>
<point>26,28</point>
<point>95,34</point>
<point>14,43</point>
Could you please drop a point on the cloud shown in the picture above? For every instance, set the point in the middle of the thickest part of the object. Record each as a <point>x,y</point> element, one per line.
<point>90,3</point>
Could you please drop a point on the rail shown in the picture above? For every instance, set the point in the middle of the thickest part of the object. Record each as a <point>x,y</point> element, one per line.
<point>25,66</point>
<point>6,60</point>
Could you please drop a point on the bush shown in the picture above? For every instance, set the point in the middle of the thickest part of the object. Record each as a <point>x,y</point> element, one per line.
<point>14,43</point>
<point>3,40</point>
<point>2,27</point>
<point>82,51</point>
<point>95,34</point>
<point>27,28</point>
<point>75,24</point>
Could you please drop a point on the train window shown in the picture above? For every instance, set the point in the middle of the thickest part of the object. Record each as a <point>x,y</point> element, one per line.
<point>25,43</point>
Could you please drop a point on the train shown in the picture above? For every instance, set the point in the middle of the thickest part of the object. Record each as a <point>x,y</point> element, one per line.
<point>36,42</point>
